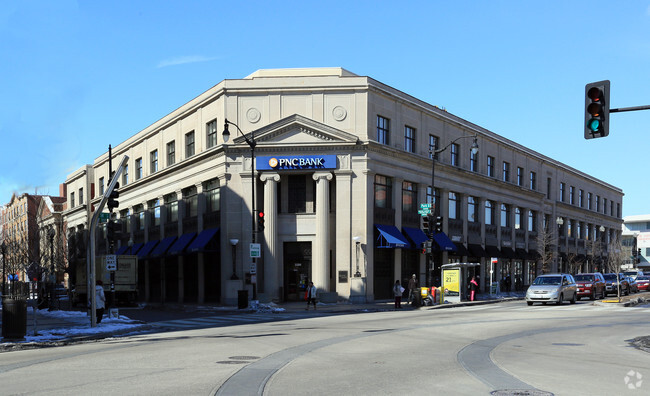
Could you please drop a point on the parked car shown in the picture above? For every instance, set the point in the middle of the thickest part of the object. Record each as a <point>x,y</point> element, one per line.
<point>633,273</point>
<point>612,283</point>
<point>643,282</point>
<point>590,285</point>
<point>555,288</point>
<point>634,288</point>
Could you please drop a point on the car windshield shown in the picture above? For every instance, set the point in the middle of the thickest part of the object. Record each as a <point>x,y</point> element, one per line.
<point>630,273</point>
<point>643,278</point>
<point>582,278</point>
<point>548,280</point>
<point>610,276</point>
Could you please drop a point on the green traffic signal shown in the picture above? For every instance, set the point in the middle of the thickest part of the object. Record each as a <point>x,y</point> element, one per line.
<point>597,109</point>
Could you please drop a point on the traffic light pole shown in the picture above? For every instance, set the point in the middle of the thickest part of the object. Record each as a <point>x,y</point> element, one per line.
<point>90,262</point>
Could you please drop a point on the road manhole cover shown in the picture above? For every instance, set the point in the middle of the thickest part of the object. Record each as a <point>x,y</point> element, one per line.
<point>520,392</point>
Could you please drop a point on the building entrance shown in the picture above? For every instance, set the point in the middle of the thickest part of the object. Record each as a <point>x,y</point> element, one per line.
<point>297,269</point>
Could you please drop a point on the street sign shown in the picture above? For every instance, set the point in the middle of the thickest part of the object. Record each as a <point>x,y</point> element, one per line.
<point>253,270</point>
<point>111,262</point>
<point>424,212</point>
<point>103,217</point>
<point>426,206</point>
<point>255,250</point>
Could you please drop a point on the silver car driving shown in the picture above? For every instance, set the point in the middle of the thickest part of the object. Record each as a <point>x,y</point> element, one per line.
<point>555,288</point>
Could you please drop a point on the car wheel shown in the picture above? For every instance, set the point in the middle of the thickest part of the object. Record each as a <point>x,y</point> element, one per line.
<point>529,303</point>
<point>560,300</point>
<point>573,300</point>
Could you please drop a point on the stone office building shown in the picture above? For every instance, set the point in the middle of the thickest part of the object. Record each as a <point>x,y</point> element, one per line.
<point>342,164</point>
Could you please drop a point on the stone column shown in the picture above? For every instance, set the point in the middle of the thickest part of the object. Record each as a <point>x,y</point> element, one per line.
<point>321,243</point>
<point>345,259</point>
<point>272,266</point>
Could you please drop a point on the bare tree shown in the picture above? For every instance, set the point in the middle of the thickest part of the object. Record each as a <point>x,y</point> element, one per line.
<point>573,263</point>
<point>595,249</point>
<point>545,247</point>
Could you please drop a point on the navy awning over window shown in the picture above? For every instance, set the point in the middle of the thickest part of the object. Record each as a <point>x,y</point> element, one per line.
<point>390,237</point>
<point>134,249</point>
<point>202,240</point>
<point>122,249</point>
<point>146,249</point>
<point>416,235</point>
<point>492,251</point>
<point>461,250</point>
<point>179,246</point>
<point>162,247</point>
<point>477,250</point>
<point>507,252</point>
<point>443,241</point>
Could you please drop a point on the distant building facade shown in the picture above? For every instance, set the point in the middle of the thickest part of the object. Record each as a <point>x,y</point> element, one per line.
<point>635,240</point>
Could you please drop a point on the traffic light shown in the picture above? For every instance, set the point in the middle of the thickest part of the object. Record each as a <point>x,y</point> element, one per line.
<point>438,224</point>
<point>113,231</point>
<point>638,255</point>
<point>260,221</point>
<point>597,109</point>
<point>112,202</point>
<point>425,225</point>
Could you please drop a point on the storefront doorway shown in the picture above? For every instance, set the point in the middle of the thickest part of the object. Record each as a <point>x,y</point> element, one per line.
<point>297,269</point>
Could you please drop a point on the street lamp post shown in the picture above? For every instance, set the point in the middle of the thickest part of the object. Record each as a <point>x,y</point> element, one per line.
<point>559,221</point>
<point>434,157</point>
<point>3,249</point>
<point>251,143</point>
<point>600,245</point>
<point>51,233</point>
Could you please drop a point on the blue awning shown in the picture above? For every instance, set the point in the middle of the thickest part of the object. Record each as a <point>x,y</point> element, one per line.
<point>179,246</point>
<point>162,247</point>
<point>444,243</point>
<point>416,235</point>
<point>122,250</point>
<point>202,240</point>
<point>390,237</point>
<point>134,249</point>
<point>146,249</point>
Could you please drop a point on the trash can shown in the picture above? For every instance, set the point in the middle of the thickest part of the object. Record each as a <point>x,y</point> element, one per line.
<point>14,318</point>
<point>242,299</point>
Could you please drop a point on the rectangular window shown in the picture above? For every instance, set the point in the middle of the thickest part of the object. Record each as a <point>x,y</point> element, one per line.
<point>506,171</point>
<point>611,208</point>
<point>589,201</point>
<point>154,161</point>
<point>211,133</point>
<point>409,197</point>
<point>618,210</point>
<point>581,199</point>
<point>433,145</point>
<point>212,195</point>
<point>505,215</point>
<point>532,221</point>
<point>454,208</point>
<point>125,175</point>
<point>154,212</point>
<point>453,154</point>
<point>432,197</point>
<point>383,130</point>
<point>383,192</point>
<point>297,200</point>
<point>604,205</point>
<point>562,188</point>
<point>571,195</point>
<point>71,200</point>
<point>189,144</point>
<point>489,212</point>
<point>490,166</point>
<point>518,218</point>
<point>171,153</point>
<point>101,186</point>
<point>138,169</point>
<point>409,139</point>
<point>191,202</point>
<point>597,203</point>
<point>81,196</point>
<point>171,202</point>
<point>520,176</point>
<point>473,161</point>
<point>533,181</point>
<point>472,211</point>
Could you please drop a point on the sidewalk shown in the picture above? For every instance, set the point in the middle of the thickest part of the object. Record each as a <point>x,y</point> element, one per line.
<point>61,327</point>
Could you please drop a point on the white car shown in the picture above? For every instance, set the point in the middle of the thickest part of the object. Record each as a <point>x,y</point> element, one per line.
<point>555,288</point>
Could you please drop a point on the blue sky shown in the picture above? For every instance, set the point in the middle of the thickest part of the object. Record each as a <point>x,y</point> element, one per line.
<point>80,75</point>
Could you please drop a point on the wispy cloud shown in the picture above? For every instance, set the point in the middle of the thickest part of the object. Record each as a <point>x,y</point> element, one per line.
<point>182,60</point>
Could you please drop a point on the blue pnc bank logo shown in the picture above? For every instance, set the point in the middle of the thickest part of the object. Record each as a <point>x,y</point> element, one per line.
<point>297,162</point>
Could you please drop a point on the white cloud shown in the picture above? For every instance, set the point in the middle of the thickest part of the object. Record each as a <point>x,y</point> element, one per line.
<point>181,60</point>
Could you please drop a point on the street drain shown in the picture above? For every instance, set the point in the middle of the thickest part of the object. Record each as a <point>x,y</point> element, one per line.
<point>244,357</point>
<point>520,392</point>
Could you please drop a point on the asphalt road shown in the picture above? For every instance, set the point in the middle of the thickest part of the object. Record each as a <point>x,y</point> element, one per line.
<point>475,350</point>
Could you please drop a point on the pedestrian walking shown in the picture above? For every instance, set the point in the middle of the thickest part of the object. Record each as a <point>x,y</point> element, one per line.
<point>473,288</point>
<point>413,285</point>
<point>398,290</point>
<point>311,295</point>
<point>100,300</point>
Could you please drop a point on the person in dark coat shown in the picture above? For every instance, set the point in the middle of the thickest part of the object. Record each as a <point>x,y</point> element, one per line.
<point>473,289</point>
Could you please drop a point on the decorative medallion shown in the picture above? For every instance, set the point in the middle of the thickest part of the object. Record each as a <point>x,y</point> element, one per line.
<point>339,113</point>
<point>253,115</point>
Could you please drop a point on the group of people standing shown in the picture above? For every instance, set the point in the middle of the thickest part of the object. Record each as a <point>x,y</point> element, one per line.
<point>413,289</point>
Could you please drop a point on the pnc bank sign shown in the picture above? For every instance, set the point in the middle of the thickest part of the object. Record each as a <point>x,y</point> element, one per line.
<point>297,162</point>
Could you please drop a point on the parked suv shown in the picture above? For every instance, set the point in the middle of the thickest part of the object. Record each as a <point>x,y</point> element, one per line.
<point>590,285</point>
<point>633,273</point>
<point>552,288</point>
<point>611,284</point>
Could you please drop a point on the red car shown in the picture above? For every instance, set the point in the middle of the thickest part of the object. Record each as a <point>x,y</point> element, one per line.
<point>643,282</point>
<point>590,285</point>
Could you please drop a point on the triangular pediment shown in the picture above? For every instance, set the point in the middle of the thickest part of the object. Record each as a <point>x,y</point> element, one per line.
<point>297,130</point>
